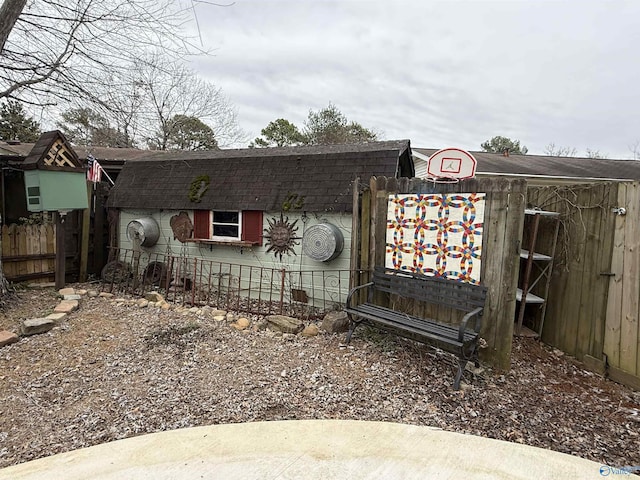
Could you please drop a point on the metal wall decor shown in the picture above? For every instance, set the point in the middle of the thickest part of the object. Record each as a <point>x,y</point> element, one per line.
<point>144,230</point>
<point>182,227</point>
<point>281,236</point>
<point>322,242</point>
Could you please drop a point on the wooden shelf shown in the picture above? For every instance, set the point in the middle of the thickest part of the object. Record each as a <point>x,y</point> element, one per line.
<point>238,243</point>
<point>531,298</point>
<point>544,213</point>
<point>536,256</point>
<point>538,267</point>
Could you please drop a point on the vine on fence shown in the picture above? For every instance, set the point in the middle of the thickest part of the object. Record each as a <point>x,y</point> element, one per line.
<point>568,201</point>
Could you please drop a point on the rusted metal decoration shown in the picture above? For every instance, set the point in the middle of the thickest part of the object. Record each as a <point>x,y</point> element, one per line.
<point>182,227</point>
<point>281,236</point>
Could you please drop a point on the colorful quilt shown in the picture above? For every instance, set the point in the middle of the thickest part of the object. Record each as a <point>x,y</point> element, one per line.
<point>436,234</point>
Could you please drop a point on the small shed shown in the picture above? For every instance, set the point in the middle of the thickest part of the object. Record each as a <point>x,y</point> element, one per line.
<point>274,208</point>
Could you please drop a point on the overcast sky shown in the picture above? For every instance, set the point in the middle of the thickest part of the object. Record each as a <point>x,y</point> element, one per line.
<point>446,73</point>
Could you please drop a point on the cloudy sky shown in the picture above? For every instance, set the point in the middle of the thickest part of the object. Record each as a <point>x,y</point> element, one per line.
<point>441,73</point>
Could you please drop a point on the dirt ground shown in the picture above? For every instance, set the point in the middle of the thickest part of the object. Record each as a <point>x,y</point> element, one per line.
<point>113,370</point>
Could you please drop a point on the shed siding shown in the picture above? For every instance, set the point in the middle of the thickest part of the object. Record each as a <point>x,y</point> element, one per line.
<point>251,256</point>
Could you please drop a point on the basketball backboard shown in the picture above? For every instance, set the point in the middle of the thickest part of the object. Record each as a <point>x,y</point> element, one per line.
<point>451,163</point>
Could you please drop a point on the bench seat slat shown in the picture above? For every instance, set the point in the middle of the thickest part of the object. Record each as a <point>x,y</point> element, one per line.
<point>434,290</point>
<point>430,328</point>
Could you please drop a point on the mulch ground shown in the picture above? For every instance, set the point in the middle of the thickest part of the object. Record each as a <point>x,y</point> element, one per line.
<point>112,370</point>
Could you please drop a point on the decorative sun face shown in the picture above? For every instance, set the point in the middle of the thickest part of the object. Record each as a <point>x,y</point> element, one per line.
<point>281,236</point>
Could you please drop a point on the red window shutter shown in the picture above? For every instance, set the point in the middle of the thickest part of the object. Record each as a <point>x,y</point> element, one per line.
<point>252,226</point>
<point>201,224</point>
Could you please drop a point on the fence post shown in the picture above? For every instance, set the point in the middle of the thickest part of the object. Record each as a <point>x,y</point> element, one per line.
<point>169,275</point>
<point>193,282</point>
<point>283,273</point>
<point>60,251</point>
<point>354,265</point>
<point>84,242</point>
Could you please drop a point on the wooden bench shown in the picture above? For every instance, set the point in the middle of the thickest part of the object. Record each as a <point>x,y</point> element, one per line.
<point>460,340</point>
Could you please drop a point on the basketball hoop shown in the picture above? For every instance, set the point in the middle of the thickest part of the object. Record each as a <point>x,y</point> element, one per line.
<point>450,165</point>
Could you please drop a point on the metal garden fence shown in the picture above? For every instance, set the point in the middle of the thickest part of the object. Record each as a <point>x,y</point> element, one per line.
<point>247,288</point>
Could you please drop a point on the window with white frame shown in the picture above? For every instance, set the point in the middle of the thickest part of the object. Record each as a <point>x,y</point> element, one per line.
<point>226,225</point>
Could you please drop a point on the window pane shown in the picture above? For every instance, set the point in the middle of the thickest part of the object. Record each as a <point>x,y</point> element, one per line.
<point>225,217</point>
<point>225,231</point>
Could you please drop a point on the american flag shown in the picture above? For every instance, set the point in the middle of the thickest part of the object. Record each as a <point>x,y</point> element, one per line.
<point>94,174</point>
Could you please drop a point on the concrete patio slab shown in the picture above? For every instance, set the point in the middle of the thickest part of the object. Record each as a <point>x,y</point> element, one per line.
<point>307,449</point>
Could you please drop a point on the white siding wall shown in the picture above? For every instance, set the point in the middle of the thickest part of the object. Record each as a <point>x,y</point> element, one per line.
<point>256,256</point>
<point>420,167</point>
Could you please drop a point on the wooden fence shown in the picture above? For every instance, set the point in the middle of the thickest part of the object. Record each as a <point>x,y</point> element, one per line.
<point>594,297</point>
<point>502,234</point>
<point>28,252</point>
<point>622,333</point>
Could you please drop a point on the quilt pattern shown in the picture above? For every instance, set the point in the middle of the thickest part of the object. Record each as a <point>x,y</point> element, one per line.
<point>436,234</point>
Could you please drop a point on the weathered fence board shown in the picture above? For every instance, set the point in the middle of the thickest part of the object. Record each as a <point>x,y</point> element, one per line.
<point>615,300</point>
<point>501,264</point>
<point>28,252</point>
<point>629,338</point>
<point>502,233</point>
<point>603,245</point>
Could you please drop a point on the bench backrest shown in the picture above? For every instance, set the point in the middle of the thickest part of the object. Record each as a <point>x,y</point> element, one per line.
<point>433,290</point>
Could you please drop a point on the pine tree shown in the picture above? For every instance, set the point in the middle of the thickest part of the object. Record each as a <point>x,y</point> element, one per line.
<point>16,125</point>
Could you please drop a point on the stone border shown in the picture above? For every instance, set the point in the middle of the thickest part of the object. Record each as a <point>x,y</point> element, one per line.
<point>333,322</point>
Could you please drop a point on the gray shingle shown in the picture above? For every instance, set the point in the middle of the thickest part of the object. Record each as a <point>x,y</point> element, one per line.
<point>259,179</point>
<point>552,166</point>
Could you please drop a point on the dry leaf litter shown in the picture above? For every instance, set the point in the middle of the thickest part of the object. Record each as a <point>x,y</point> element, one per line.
<point>113,369</point>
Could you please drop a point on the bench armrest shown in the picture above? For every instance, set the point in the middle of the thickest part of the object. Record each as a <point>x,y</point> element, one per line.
<point>353,290</point>
<point>463,325</point>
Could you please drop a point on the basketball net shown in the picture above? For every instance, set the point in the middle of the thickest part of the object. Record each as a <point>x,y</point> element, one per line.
<point>442,179</point>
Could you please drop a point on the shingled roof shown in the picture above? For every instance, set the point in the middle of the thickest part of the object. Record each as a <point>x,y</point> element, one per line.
<point>259,179</point>
<point>110,158</point>
<point>53,151</point>
<point>535,165</point>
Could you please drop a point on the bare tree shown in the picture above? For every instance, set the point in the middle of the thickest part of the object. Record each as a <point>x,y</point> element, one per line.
<point>168,89</point>
<point>635,150</point>
<point>591,153</point>
<point>557,151</point>
<point>141,103</point>
<point>60,49</point>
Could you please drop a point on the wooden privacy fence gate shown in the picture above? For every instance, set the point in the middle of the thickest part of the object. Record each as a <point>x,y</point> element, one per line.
<point>594,298</point>
<point>28,252</point>
<point>501,238</point>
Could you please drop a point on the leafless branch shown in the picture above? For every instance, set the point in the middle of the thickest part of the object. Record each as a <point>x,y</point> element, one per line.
<point>68,46</point>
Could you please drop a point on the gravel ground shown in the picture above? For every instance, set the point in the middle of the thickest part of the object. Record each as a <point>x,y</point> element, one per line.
<point>112,370</point>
